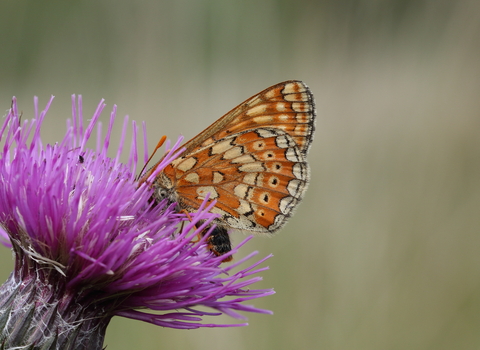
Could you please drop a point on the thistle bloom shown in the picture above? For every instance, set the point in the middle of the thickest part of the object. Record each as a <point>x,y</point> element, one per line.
<point>88,244</point>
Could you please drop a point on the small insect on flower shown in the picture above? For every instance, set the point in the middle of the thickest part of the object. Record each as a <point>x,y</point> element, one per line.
<point>251,161</point>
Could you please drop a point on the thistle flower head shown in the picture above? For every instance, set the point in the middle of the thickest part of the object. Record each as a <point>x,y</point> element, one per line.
<point>89,245</point>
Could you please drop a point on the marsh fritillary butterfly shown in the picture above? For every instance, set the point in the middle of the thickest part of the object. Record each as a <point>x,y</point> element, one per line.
<point>252,162</point>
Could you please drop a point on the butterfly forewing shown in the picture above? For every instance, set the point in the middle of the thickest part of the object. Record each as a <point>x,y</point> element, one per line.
<point>288,106</point>
<point>252,161</point>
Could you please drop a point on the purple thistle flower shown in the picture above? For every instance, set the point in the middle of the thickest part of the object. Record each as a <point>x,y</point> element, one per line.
<point>88,245</point>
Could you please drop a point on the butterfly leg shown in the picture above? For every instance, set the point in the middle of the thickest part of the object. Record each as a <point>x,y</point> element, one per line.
<point>190,219</point>
<point>218,241</point>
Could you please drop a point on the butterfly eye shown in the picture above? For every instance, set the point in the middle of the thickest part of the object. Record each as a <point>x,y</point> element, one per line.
<point>162,193</point>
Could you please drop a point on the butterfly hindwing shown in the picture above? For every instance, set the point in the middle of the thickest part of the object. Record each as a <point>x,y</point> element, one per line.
<point>256,177</point>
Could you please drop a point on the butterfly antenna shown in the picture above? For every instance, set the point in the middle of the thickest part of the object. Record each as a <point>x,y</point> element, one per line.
<point>159,144</point>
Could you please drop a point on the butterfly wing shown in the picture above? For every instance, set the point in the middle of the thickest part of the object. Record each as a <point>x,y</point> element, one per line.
<point>256,177</point>
<point>287,106</point>
<point>251,161</point>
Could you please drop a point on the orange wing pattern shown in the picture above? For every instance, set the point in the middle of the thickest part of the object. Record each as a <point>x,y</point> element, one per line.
<point>252,161</point>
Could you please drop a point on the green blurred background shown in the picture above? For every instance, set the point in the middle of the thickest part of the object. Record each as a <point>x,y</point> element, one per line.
<point>384,253</point>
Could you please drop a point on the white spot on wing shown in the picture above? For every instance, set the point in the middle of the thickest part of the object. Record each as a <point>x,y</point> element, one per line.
<point>233,153</point>
<point>244,208</point>
<point>293,154</point>
<point>249,179</point>
<point>287,204</point>
<point>263,119</point>
<point>203,190</point>
<point>270,94</point>
<point>254,179</point>
<point>221,147</point>
<point>242,223</point>
<point>246,158</point>
<point>299,107</point>
<point>240,190</point>
<point>259,109</point>
<point>252,167</point>
<point>291,88</point>
<point>281,106</point>
<point>302,118</point>
<point>295,187</point>
<point>192,177</point>
<point>217,177</point>
<point>296,97</point>
<point>302,129</point>
<point>284,141</point>
<point>266,133</point>
<point>300,171</point>
<point>187,164</point>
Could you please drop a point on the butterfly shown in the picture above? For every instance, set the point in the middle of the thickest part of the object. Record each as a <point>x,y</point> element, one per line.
<point>251,161</point>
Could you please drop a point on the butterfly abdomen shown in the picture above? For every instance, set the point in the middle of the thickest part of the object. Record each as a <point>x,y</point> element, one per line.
<point>219,242</point>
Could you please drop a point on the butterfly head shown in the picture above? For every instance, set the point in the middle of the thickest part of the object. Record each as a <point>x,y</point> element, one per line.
<point>164,189</point>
